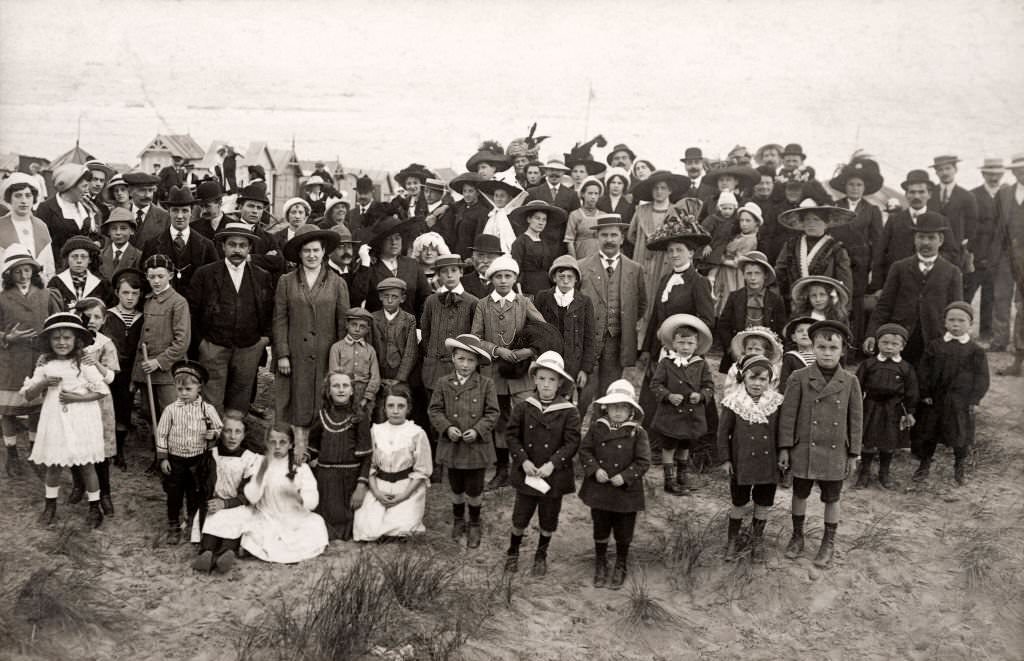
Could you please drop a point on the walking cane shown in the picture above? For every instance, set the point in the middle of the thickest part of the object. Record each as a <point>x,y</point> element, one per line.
<point>152,403</point>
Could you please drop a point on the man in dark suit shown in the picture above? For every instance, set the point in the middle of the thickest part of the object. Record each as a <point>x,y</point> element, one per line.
<point>898,236</point>
<point>365,211</point>
<point>485,250</point>
<point>917,290</point>
<point>265,253</point>
<point>552,190</point>
<point>187,249</point>
<point>983,245</point>
<point>171,176</point>
<point>232,303</point>
<point>150,220</point>
<point>1010,270</point>
<point>693,162</point>
<point>209,196</point>
<point>957,205</point>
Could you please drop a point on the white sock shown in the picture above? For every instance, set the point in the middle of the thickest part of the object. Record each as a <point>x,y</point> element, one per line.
<point>92,496</point>
<point>52,492</point>
<point>10,441</point>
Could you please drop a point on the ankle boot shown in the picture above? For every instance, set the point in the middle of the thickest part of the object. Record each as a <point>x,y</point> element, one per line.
<point>795,547</point>
<point>173,533</point>
<point>683,479</point>
<point>618,574</point>
<point>827,548</point>
<point>120,436</point>
<point>959,472</point>
<point>95,515</point>
<point>733,535</point>
<point>77,486</point>
<point>13,462</point>
<point>540,558</point>
<point>107,505</point>
<point>49,514</point>
<point>671,487</point>
<point>458,528</point>
<point>864,474</point>
<point>473,535</point>
<point>923,469</point>
<point>500,478</point>
<point>757,540</point>
<point>600,564</point>
<point>884,465</point>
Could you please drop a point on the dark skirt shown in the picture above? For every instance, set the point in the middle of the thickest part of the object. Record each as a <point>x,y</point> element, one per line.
<point>882,425</point>
<point>124,399</point>
<point>336,486</point>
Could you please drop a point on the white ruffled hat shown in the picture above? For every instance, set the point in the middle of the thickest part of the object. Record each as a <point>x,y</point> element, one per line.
<point>620,392</point>
<point>503,263</point>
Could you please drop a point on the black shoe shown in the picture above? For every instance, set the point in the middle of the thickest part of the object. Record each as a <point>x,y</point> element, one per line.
<point>259,411</point>
<point>95,515</point>
<point>540,566</point>
<point>511,563</point>
<point>683,479</point>
<point>76,495</point>
<point>600,572</point>
<point>499,480</point>
<point>49,514</point>
<point>618,575</point>
<point>120,462</point>
<point>923,470</point>
<point>473,536</point>
<point>458,528</point>
<point>173,534</point>
<point>863,476</point>
<point>824,557</point>
<point>959,474</point>
<point>154,469</point>
<point>757,540</point>
<point>107,505</point>
<point>203,562</point>
<point>795,547</point>
<point>225,561</point>
<point>671,486</point>
<point>732,540</point>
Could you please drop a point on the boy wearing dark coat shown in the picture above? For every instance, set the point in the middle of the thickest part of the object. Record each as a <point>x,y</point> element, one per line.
<point>614,455</point>
<point>543,434</point>
<point>463,411</point>
<point>890,397</point>
<point>447,313</point>
<point>571,311</point>
<point>394,334</point>
<point>682,386</point>
<point>747,436</point>
<point>753,305</point>
<point>820,434</point>
<point>954,377</point>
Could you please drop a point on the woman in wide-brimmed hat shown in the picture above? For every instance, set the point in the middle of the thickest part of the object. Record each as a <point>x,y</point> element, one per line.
<point>24,305</point>
<point>115,193</point>
<point>20,225</point>
<point>616,198</point>
<point>533,254</point>
<point>489,159</point>
<point>813,252</point>
<point>387,242</point>
<point>505,196</point>
<point>309,316</point>
<point>66,214</point>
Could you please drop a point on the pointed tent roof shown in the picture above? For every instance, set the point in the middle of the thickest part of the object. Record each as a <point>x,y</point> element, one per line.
<point>9,162</point>
<point>284,157</point>
<point>178,145</point>
<point>74,155</point>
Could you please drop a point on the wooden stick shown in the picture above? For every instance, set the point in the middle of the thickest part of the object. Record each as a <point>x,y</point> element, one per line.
<point>149,391</point>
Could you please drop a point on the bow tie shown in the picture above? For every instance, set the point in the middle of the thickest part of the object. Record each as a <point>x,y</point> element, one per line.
<point>449,298</point>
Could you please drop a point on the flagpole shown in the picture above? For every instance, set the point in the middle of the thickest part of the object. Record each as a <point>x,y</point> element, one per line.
<point>590,97</point>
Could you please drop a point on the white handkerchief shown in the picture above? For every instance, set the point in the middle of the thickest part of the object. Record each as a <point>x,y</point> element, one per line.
<point>537,483</point>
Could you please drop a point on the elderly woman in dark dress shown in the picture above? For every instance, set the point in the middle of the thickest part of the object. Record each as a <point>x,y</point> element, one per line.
<point>309,316</point>
<point>387,261</point>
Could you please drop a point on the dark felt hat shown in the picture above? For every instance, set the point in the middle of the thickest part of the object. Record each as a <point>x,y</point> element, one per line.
<point>497,159</point>
<point>364,184</point>
<point>787,330</point>
<point>593,167</point>
<point>488,187</point>
<point>209,191</point>
<point>864,169</point>
<point>256,192</point>
<point>115,279</point>
<point>744,174</point>
<point>917,177</point>
<point>674,230</point>
<point>488,243</point>
<point>67,320</point>
<point>930,221</point>
<point>329,239</point>
<point>793,149</point>
<point>471,178</point>
<point>616,149</point>
<point>78,242</point>
<point>692,154</point>
<point>179,197</point>
<point>414,170</point>
<point>677,184</point>
<point>382,229</point>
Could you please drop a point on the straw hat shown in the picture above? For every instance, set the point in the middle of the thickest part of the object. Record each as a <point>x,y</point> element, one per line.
<point>68,320</point>
<point>16,255</point>
<point>795,219</point>
<point>830,284</point>
<point>565,262</point>
<point>555,163</point>
<point>236,229</point>
<point>315,180</point>
<point>19,178</point>
<point>520,214</point>
<point>471,343</point>
<point>551,360</point>
<point>945,159</point>
<point>669,327</point>
<point>774,344</point>
<point>759,258</point>
<point>993,165</point>
<point>292,202</point>
<point>502,263</point>
<point>620,392</point>
<point>66,176</point>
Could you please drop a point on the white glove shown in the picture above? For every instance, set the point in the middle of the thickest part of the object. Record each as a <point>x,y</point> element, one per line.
<point>364,255</point>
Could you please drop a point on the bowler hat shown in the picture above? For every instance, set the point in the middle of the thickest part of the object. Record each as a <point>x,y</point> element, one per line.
<point>827,325</point>
<point>671,324</point>
<point>677,184</point>
<point>487,243</point>
<point>471,343</point>
<point>364,184</point>
<point>192,368</point>
<point>616,149</point>
<point>209,191</point>
<point>179,197</point>
<point>945,159</point>
<point>692,154</point>
<point>414,170</point>
<point>329,239</point>
<point>930,222</point>
<point>66,176</point>
<point>794,149</point>
<point>236,228</point>
<point>255,192</point>
<point>520,214</point>
<point>917,177</point>
<point>120,215</point>
<point>138,178</point>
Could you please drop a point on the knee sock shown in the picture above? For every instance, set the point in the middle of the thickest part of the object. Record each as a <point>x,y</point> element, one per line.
<point>621,552</point>
<point>103,475</point>
<point>513,544</point>
<point>10,441</point>
<point>601,550</point>
<point>120,436</point>
<point>737,512</point>
<point>502,457</point>
<point>798,524</point>
<point>542,545</point>
<point>474,514</point>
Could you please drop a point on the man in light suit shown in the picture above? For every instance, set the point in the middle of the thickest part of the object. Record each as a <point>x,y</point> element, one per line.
<point>552,190</point>
<point>984,245</point>
<point>958,206</point>
<point>150,220</point>
<point>615,284</point>
<point>1010,269</point>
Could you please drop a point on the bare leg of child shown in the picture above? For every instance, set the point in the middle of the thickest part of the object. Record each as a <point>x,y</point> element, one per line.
<point>795,547</point>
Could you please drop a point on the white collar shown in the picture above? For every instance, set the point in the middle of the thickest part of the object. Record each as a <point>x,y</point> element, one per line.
<point>498,298</point>
<point>184,233</point>
<point>742,404</point>
<point>232,268</point>
<point>136,210</point>
<point>930,261</point>
<point>459,289</point>
<point>896,359</point>
<point>565,299</point>
<point>681,361</point>
<point>614,260</point>
<point>390,316</point>
<point>963,339</point>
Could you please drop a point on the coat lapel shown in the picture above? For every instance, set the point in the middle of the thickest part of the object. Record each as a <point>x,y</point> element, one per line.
<point>596,275</point>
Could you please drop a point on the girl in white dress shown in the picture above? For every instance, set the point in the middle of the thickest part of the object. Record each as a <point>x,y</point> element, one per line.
<point>399,475</point>
<point>283,527</point>
<point>71,425</point>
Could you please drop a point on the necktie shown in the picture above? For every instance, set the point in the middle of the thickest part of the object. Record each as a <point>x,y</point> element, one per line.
<point>610,268</point>
<point>179,242</point>
<point>926,267</point>
<point>945,194</point>
<point>117,256</point>
<point>138,217</point>
<point>554,194</point>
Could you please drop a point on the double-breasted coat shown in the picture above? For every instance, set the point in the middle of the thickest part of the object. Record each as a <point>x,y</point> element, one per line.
<point>18,360</point>
<point>198,252</point>
<point>820,423</point>
<point>471,405</point>
<point>687,420</point>
<point>955,377</point>
<point>542,434</point>
<point>633,303</point>
<point>890,392</point>
<point>496,327</point>
<point>166,334</point>
<point>576,323</point>
<point>307,321</point>
<point>748,443</point>
<point>911,299</point>
<point>625,451</point>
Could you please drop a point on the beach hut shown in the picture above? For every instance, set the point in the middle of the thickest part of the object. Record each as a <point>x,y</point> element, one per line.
<point>285,178</point>
<point>74,155</point>
<point>159,152</point>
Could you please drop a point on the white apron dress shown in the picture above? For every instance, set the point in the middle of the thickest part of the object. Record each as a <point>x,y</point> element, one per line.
<point>396,448</point>
<point>229,523</point>
<point>106,354</point>
<point>283,527</point>
<point>68,434</point>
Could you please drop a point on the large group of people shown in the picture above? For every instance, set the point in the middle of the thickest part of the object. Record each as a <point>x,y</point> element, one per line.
<point>487,323</point>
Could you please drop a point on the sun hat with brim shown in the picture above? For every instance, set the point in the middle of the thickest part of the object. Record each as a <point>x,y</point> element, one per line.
<point>382,229</point>
<point>842,294</point>
<point>555,164</point>
<point>432,183</point>
<point>674,322</point>
<point>993,165</point>
<point>774,348</point>
<point>191,368</point>
<point>790,327</point>
<point>945,159</point>
<point>113,182</point>
<point>17,178</point>
<point>795,219</point>
<point>66,176</point>
<point>616,149</point>
<point>488,186</point>
<point>745,175</point>
<point>59,320</point>
<point>471,343</point>
<point>620,392</point>
<point>565,262</point>
<point>675,230</point>
<point>306,233</point>
<point>759,258</point>
<point>622,173</point>
<point>315,180</point>
<point>498,161</point>
<point>239,229</point>
<point>930,222</point>
<point>414,170</point>
<point>179,197</point>
<point>608,220</point>
<point>256,192</point>
<point>471,178</point>
<point>1016,161</point>
<point>101,166</point>
<point>334,201</point>
<point>78,242</point>
<point>753,209</point>
<point>292,202</point>
<point>392,283</point>
<point>520,214</point>
<point>830,325</point>
<point>16,255</point>
<point>892,329</point>
<point>759,154</point>
<point>550,360</point>
<point>120,215</point>
<point>864,169</point>
<point>449,260</point>
<point>502,263</point>
<point>359,313</point>
<point>677,185</point>
<point>137,178</point>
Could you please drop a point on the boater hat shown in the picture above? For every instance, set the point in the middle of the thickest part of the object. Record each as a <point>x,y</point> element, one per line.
<point>620,392</point>
<point>830,284</point>
<point>993,165</point>
<point>774,344</point>
<point>449,260</point>
<point>946,159</point>
<point>674,322</point>
<point>192,368</point>
<point>795,219</point>
<point>235,229</point>
<point>16,255</point>
<point>608,220</point>
<point>471,343</point>
<point>551,360</point>
<point>68,320</point>
<point>306,233</point>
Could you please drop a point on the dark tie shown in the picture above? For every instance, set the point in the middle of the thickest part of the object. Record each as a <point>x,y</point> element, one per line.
<point>554,194</point>
<point>926,267</point>
<point>448,298</point>
<point>179,243</point>
<point>117,256</point>
<point>945,195</point>
<point>138,217</point>
<point>610,268</point>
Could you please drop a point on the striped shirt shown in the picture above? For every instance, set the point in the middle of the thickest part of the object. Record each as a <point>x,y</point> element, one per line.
<point>183,426</point>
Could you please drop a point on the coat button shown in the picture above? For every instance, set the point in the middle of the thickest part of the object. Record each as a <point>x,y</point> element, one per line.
<point>812,443</point>
<point>752,454</point>
<point>814,422</point>
<point>833,446</point>
<point>835,424</point>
